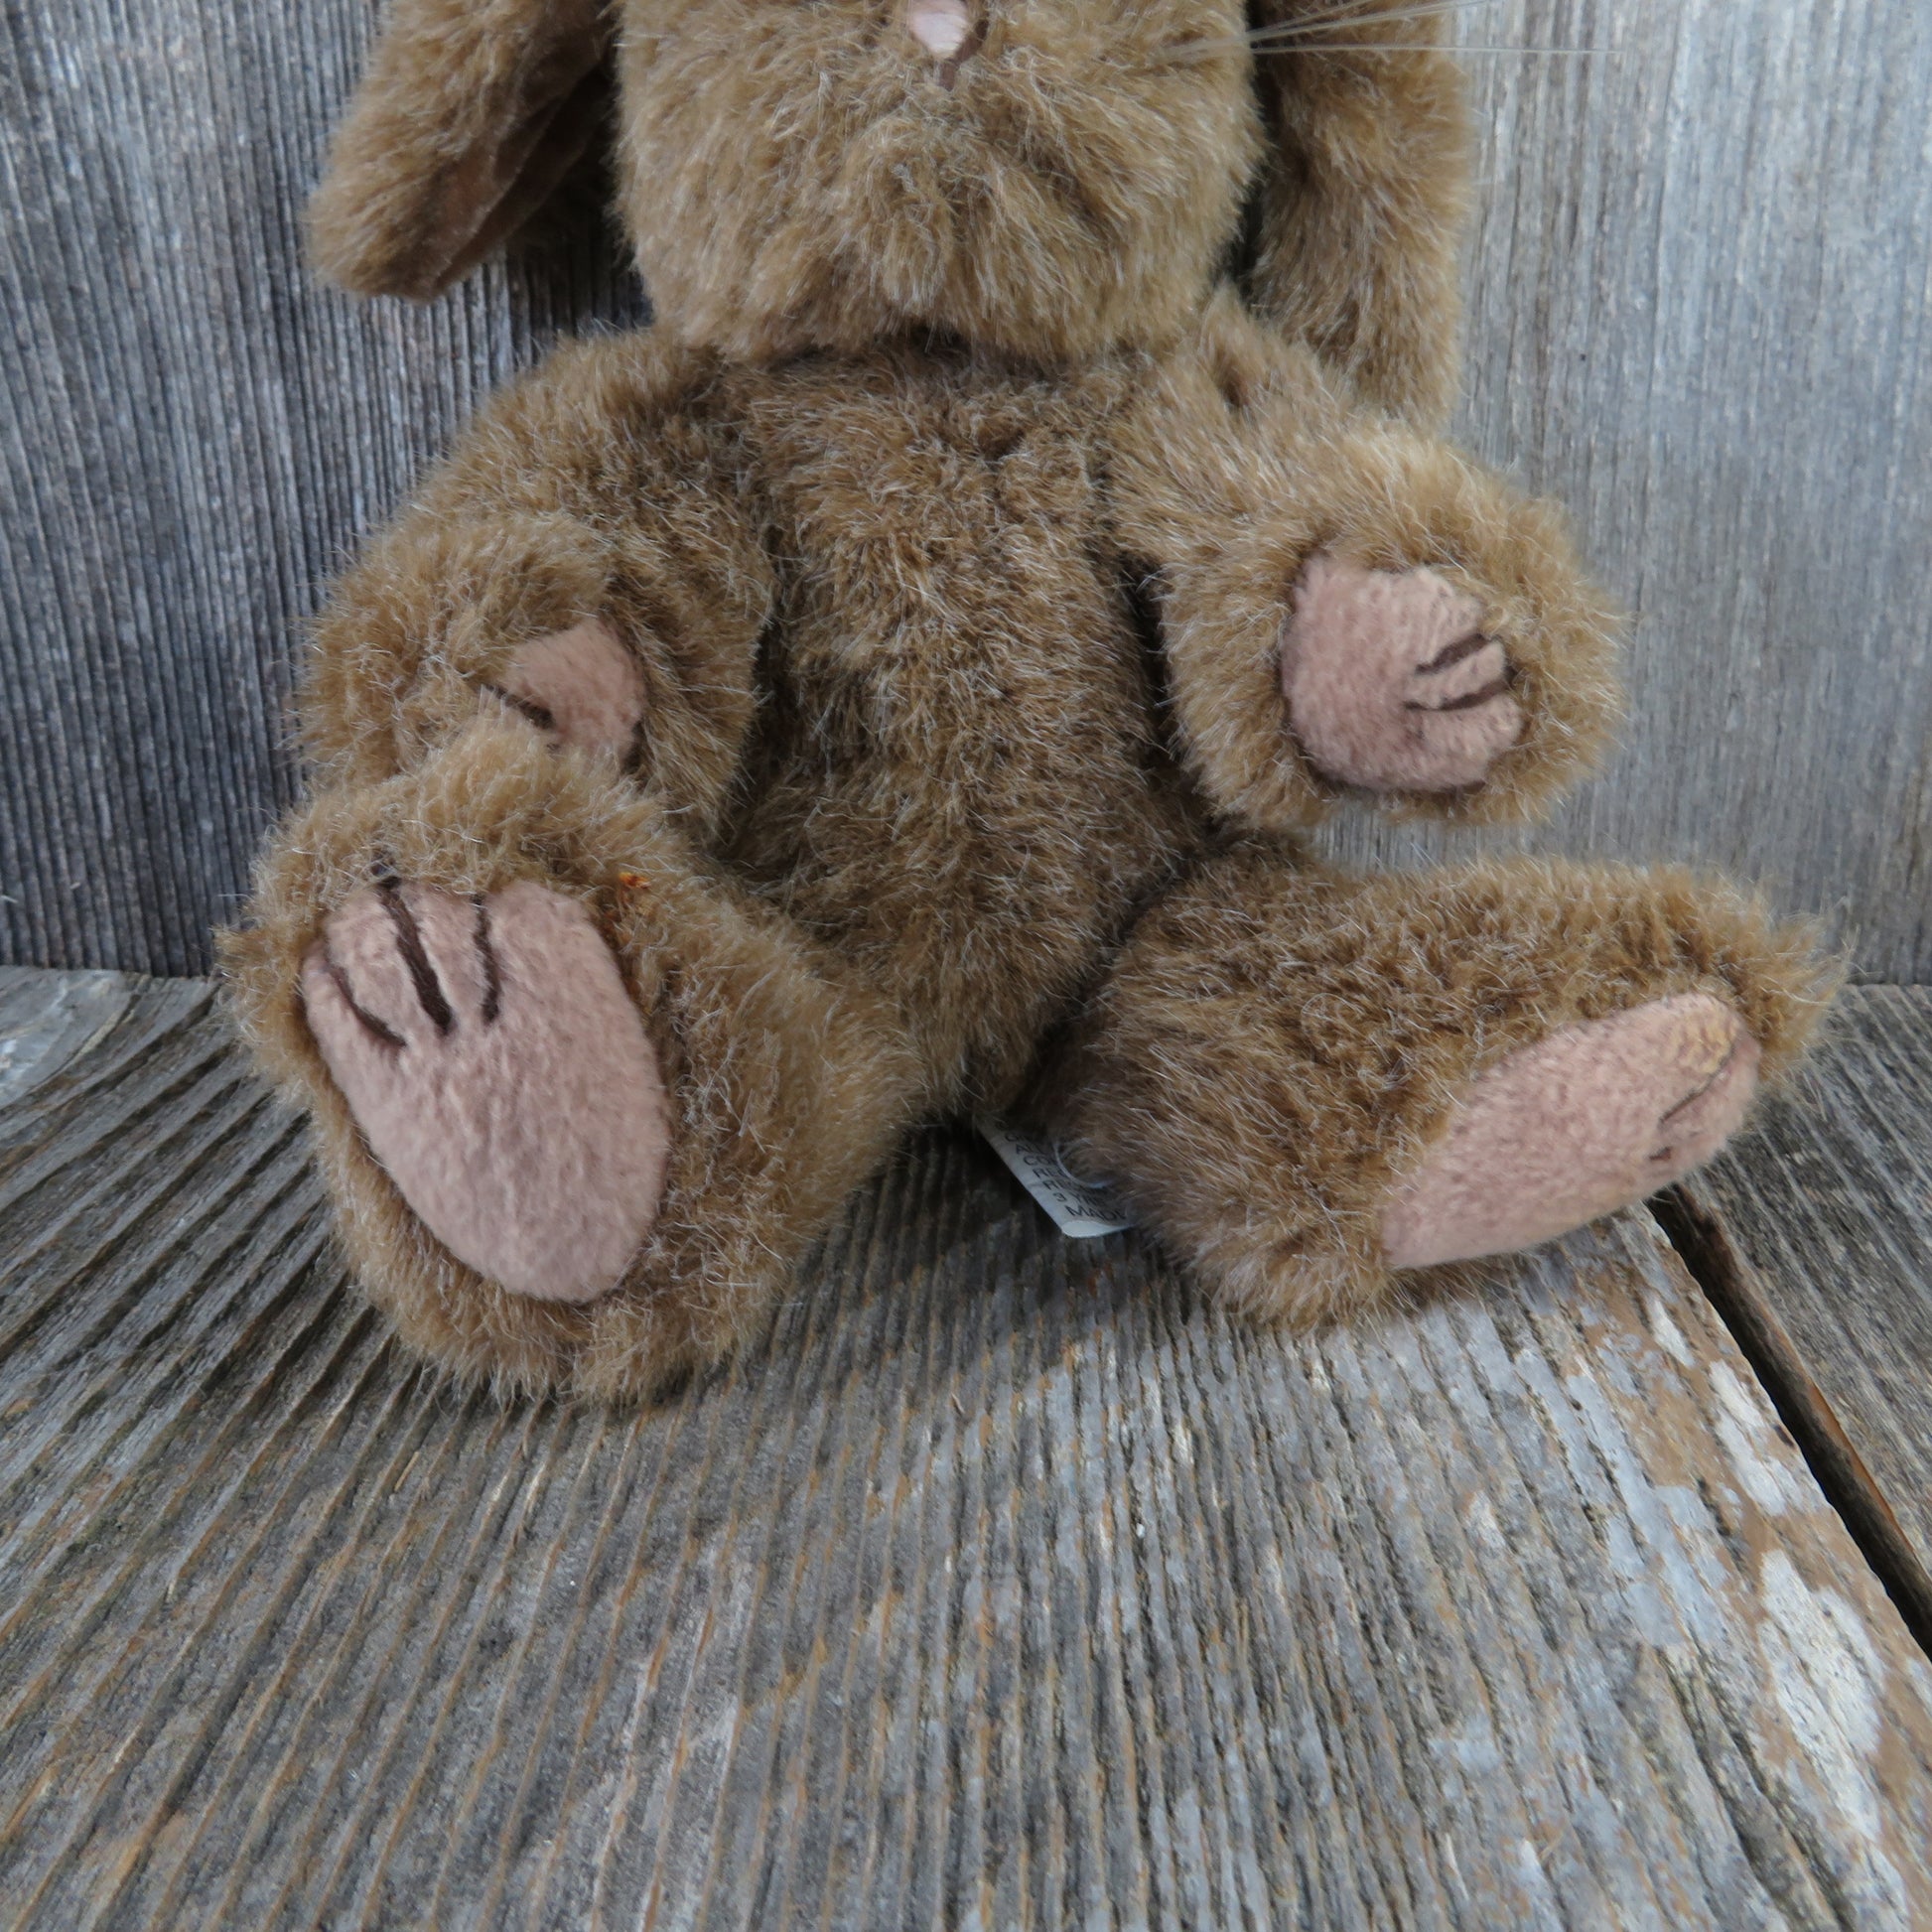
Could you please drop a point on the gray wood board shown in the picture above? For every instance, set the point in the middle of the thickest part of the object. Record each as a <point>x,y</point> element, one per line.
<point>1003,1585</point>
<point>1829,1203</point>
<point>193,438</point>
<point>1698,317</point>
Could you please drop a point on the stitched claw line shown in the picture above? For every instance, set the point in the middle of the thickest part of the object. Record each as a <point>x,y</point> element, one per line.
<point>1724,1068</point>
<point>493,1000</point>
<point>540,716</point>
<point>409,942</point>
<point>1499,689</point>
<point>1464,647</point>
<point>372,1025</point>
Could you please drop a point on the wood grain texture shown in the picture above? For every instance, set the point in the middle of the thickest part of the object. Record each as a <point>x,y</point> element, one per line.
<point>193,438</point>
<point>1828,1204</point>
<point>1003,1586</point>
<point>1699,302</point>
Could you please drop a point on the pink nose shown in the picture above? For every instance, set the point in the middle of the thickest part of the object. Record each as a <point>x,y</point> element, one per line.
<point>942,26</point>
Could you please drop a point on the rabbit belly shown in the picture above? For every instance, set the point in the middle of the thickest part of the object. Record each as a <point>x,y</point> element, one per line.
<point>959,785</point>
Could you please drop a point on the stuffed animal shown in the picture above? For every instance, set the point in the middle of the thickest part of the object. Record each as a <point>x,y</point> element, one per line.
<point>892,684</point>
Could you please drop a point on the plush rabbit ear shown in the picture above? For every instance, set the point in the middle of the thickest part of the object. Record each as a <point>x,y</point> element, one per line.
<point>471,112</point>
<point>1361,211</point>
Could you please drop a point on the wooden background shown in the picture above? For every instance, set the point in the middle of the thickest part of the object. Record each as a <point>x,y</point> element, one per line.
<point>1699,302</point>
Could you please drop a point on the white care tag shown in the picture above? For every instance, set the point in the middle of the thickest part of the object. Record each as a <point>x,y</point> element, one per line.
<point>1078,1209</point>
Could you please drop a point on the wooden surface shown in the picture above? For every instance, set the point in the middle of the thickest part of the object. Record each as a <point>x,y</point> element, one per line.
<point>1699,317</point>
<point>1003,1586</point>
<point>1828,1206</point>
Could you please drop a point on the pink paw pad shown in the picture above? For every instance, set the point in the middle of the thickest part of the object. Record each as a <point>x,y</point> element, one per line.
<point>950,32</point>
<point>1592,1119</point>
<point>1392,684</point>
<point>498,1071</point>
<point>581,686</point>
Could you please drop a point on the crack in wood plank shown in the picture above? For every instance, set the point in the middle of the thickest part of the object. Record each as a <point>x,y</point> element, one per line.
<point>1813,1237</point>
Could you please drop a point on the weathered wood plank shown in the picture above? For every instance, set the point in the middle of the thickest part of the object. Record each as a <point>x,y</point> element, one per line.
<point>192,439</point>
<point>48,1019</point>
<point>1828,1208</point>
<point>1699,315</point>
<point>1004,1585</point>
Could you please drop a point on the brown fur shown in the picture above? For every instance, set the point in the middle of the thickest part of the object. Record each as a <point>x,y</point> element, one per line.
<point>958,783</point>
<point>1072,194</point>
<point>597,487</point>
<point>954,524</point>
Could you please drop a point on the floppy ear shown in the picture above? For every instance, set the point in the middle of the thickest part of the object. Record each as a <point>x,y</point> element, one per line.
<point>1361,211</point>
<point>471,112</point>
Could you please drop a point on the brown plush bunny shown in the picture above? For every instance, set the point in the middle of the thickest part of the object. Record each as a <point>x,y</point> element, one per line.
<point>891,683</point>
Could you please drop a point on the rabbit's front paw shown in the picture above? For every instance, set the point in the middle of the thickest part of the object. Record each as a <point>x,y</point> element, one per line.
<point>1391,683</point>
<point>580,687</point>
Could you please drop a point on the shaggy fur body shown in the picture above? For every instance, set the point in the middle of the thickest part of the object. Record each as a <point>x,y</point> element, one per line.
<point>955,525</point>
<point>903,595</point>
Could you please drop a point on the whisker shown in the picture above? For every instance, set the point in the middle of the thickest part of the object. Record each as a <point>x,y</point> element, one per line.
<point>1202,49</point>
<point>1352,13</point>
<point>1308,32</point>
<point>1426,47</point>
<point>1433,46</point>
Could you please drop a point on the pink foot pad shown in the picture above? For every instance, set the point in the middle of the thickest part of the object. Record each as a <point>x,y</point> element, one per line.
<point>1589,1119</point>
<point>1391,683</point>
<point>500,1074</point>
